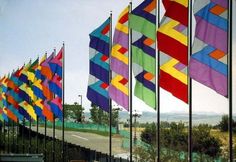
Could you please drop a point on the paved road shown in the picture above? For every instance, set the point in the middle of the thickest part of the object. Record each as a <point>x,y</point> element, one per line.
<point>88,140</point>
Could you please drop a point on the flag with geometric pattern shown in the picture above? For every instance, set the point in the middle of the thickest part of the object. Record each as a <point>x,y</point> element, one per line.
<point>143,24</point>
<point>118,89</point>
<point>99,54</point>
<point>172,40</point>
<point>208,64</point>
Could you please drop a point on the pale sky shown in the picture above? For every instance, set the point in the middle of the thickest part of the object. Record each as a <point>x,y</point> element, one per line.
<point>30,28</point>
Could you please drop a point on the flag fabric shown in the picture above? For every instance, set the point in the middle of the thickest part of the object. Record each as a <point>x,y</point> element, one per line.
<point>47,111</point>
<point>3,114</point>
<point>118,89</point>
<point>38,108</point>
<point>38,73</point>
<point>173,45</point>
<point>56,107</point>
<point>142,21</point>
<point>208,64</point>
<point>99,54</point>
<point>4,96</point>
<point>55,63</point>
<point>45,68</point>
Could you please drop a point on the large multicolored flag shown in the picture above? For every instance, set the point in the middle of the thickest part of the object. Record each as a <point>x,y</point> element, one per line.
<point>143,24</point>
<point>3,115</point>
<point>208,64</point>
<point>173,45</point>
<point>55,63</point>
<point>99,54</point>
<point>118,89</point>
<point>4,96</point>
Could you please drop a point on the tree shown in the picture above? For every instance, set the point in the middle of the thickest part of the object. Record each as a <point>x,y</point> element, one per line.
<point>99,116</point>
<point>204,142</point>
<point>74,112</point>
<point>224,124</point>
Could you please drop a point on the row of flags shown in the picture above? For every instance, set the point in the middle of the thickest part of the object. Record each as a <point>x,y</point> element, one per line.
<point>34,90</point>
<point>140,41</point>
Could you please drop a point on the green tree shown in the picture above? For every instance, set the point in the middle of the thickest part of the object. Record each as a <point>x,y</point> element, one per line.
<point>204,142</point>
<point>99,116</point>
<point>74,111</point>
<point>223,125</point>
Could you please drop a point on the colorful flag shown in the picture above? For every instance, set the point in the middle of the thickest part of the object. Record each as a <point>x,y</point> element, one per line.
<point>29,109</point>
<point>143,24</point>
<point>3,114</point>
<point>55,86</point>
<point>38,73</point>
<point>55,63</point>
<point>208,64</point>
<point>173,45</point>
<point>45,68</point>
<point>5,105</point>
<point>47,111</point>
<point>97,91</point>
<point>31,70</point>
<point>118,89</point>
<point>56,107</point>
<point>38,108</point>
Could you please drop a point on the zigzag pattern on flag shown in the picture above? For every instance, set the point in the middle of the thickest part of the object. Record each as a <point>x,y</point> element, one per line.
<point>173,44</point>
<point>3,113</point>
<point>6,107</point>
<point>97,91</point>
<point>143,24</point>
<point>35,90</point>
<point>118,89</point>
<point>208,64</point>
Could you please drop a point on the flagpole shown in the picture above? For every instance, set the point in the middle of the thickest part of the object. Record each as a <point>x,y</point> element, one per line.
<point>53,136</point>
<point>13,138</point>
<point>158,84</point>
<point>45,140</point>
<point>8,140</point>
<point>230,93</point>
<point>29,147</point>
<point>37,137</point>
<point>130,87</point>
<point>110,102</point>
<point>4,135</point>
<point>190,80</point>
<point>17,133</point>
<point>45,135</point>
<point>63,102</point>
<point>23,139</point>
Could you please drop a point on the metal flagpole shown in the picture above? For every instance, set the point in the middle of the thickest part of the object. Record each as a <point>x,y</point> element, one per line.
<point>23,133</point>
<point>37,137</point>
<point>190,80</point>
<point>29,146</point>
<point>53,140</point>
<point>13,137</point>
<point>158,84</point>
<point>63,103</point>
<point>110,102</point>
<point>130,87</point>
<point>53,134</point>
<point>8,139</point>
<point>4,135</point>
<point>230,93</point>
<point>17,133</point>
<point>45,139</point>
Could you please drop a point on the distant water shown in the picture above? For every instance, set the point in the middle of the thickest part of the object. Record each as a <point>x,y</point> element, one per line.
<point>207,118</point>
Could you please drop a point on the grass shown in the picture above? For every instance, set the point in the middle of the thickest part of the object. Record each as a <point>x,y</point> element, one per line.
<point>102,133</point>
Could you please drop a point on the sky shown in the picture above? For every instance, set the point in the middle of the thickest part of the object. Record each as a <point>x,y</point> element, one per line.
<point>30,28</point>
